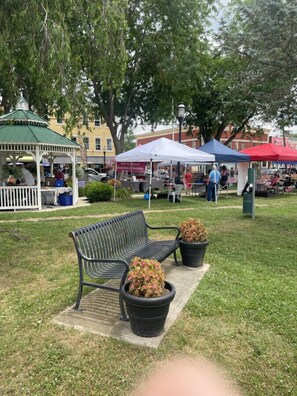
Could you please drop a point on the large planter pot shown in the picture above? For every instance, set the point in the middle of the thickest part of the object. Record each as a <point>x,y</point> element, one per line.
<point>192,253</point>
<point>148,315</point>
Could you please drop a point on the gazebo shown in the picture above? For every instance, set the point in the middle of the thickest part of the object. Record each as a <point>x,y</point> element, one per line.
<point>24,133</point>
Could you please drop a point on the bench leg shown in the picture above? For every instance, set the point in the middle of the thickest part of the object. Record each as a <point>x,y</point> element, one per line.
<point>79,294</point>
<point>175,259</point>
<point>123,316</point>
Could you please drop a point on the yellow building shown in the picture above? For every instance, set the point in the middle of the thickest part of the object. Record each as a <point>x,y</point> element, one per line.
<point>97,148</point>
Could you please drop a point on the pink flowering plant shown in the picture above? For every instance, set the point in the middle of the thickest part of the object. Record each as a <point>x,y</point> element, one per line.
<point>192,230</point>
<point>146,278</point>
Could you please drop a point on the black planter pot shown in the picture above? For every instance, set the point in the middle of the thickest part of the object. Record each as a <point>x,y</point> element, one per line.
<point>192,253</point>
<point>148,315</point>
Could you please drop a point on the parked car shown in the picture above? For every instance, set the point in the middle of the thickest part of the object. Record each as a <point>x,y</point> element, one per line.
<point>93,175</point>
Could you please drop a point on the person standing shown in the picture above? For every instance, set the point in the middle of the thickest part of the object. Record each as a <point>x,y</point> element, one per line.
<point>213,185</point>
<point>206,182</point>
<point>224,176</point>
<point>187,181</point>
<point>27,178</point>
<point>59,175</point>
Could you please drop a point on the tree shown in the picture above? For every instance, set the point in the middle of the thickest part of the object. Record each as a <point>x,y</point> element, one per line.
<point>250,73</point>
<point>263,35</point>
<point>217,102</point>
<point>34,51</point>
<point>147,43</point>
<point>117,57</point>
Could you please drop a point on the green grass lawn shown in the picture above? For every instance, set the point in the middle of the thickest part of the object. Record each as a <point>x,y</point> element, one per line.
<point>242,315</point>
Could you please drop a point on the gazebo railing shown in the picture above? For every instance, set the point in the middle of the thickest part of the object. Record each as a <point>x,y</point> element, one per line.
<point>18,197</point>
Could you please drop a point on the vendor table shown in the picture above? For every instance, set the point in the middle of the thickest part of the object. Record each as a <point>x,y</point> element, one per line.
<point>49,195</point>
<point>261,186</point>
<point>134,185</point>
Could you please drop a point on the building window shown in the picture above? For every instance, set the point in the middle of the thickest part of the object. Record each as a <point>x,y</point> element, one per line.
<point>97,144</point>
<point>86,142</point>
<point>73,139</point>
<point>59,116</point>
<point>242,146</point>
<point>97,120</point>
<point>109,144</point>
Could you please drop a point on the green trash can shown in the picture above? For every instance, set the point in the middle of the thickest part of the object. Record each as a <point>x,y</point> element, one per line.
<point>247,203</point>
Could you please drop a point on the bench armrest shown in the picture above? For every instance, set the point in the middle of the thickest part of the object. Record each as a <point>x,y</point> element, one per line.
<point>165,228</point>
<point>124,262</point>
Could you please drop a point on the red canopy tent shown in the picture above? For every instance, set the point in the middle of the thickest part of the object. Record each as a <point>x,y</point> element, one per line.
<point>271,152</point>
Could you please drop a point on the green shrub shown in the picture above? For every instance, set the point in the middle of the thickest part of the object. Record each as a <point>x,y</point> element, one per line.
<point>97,191</point>
<point>69,182</point>
<point>123,193</point>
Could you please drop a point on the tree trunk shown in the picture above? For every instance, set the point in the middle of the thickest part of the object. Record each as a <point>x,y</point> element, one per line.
<point>220,131</point>
<point>118,144</point>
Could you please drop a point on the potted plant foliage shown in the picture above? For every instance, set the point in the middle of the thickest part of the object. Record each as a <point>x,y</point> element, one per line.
<point>193,242</point>
<point>147,296</point>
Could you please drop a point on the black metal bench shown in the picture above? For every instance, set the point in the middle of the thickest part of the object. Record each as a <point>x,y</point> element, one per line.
<point>105,250</point>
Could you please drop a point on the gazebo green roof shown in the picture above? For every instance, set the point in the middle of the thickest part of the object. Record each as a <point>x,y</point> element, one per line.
<point>24,126</point>
<point>18,133</point>
<point>23,117</point>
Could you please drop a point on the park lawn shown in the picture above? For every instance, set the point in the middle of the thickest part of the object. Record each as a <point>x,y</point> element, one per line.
<point>241,315</point>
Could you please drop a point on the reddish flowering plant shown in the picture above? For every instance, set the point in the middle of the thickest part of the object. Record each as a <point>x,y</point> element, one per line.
<point>192,230</point>
<point>146,278</point>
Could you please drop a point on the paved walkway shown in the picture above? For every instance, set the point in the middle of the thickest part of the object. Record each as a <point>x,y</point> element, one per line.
<point>106,215</point>
<point>100,309</point>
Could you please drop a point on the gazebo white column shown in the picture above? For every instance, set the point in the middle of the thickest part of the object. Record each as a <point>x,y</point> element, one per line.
<point>74,178</point>
<point>38,159</point>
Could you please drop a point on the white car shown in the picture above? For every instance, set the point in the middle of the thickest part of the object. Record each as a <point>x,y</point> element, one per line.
<point>93,175</point>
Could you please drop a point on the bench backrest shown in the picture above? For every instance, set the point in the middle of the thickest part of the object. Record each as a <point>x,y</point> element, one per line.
<point>111,238</point>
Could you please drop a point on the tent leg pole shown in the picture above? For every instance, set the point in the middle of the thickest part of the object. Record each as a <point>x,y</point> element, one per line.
<point>115,182</point>
<point>150,185</point>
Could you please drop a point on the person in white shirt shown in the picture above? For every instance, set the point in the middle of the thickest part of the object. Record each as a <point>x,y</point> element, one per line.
<point>27,178</point>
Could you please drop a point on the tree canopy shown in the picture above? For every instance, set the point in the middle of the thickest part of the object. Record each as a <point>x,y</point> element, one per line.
<point>263,35</point>
<point>124,59</point>
<point>34,51</point>
<point>129,60</point>
<point>159,54</point>
<point>250,72</point>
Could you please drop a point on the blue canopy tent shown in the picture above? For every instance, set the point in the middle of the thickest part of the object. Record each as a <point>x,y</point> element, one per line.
<point>223,153</point>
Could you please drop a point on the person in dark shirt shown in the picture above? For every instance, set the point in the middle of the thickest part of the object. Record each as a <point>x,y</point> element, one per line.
<point>224,176</point>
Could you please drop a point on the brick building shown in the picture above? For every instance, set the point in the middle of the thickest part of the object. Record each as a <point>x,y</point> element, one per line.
<point>241,142</point>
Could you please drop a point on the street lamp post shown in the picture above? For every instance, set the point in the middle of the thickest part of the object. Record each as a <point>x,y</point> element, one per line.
<point>104,159</point>
<point>180,117</point>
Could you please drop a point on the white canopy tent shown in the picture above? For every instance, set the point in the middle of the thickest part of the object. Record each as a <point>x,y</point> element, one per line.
<point>164,150</point>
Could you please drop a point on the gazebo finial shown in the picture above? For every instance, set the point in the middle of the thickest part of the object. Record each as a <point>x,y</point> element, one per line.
<point>22,103</point>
